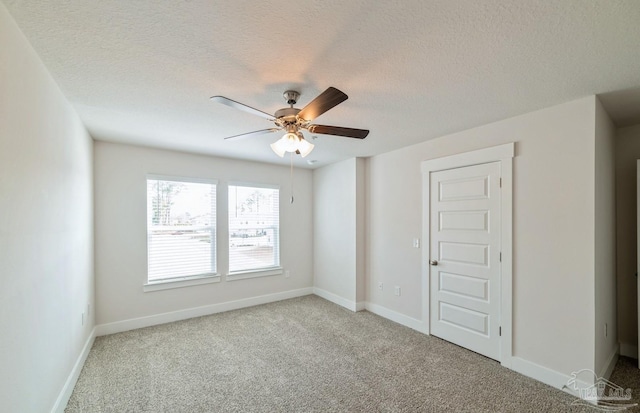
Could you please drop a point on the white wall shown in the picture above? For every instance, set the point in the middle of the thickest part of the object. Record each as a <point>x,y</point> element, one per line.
<point>46,230</point>
<point>121,255</point>
<point>334,230</point>
<point>553,229</point>
<point>340,232</point>
<point>361,232</point>
<point>627,152</point>
<point>604,255</point>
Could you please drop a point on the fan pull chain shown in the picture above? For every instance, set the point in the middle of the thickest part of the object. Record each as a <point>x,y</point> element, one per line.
<point>291,177</point>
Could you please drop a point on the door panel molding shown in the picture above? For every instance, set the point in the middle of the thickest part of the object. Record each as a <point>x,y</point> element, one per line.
<point>504,155</point>
<point>458,318</point>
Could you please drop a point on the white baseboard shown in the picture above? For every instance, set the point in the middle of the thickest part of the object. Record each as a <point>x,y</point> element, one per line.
<point>70,383</point>
<point>135,323</point>
<point>374,308</point>
<point>610,365</point>
<point>562,381</point>
<point>336,299</point>
<point>406,321</point>
<point>541,373</point>
<point>551,377</point>
<point>629,350</point>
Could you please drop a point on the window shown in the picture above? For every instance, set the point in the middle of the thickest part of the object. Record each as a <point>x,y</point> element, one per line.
<point>181,229</point>
<point>254,228</point>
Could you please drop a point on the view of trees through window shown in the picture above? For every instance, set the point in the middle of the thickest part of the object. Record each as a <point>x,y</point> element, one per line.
<point>254,219</point>
<point>180,228</point>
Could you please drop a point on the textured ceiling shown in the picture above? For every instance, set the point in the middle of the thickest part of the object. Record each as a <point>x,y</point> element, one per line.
<point>143,71</point>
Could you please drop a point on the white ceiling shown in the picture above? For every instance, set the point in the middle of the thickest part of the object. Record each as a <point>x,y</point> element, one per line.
<point>143,71</point>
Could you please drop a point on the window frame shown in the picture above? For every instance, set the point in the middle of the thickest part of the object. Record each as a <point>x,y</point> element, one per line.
<point>255,272</point>
<point>183,281</point>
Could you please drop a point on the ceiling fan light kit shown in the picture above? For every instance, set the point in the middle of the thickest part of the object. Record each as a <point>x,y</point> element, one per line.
<point>292,142</point>
<point>294,120</point>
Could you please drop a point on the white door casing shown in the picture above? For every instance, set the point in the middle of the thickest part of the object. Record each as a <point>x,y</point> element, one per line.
<point>465,257</point>
<point>503,156</point>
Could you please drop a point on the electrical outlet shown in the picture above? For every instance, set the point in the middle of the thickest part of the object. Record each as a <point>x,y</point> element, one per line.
<point>287,274</point>
<point>380,286</point>
<point>416,243</point>
<point>397,290</point>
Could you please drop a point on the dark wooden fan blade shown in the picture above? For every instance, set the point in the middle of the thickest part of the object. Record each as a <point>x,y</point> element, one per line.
<point>322,103</point>
<point>254,133</point>
<point>241,106</point>
<point>338,131</point>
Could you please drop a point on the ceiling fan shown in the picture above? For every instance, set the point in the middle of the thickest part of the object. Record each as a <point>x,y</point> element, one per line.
<point>293,120</point>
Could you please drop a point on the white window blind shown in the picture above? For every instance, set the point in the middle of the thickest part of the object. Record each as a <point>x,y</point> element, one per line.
<point>181,231</point>
<point>254,228</point>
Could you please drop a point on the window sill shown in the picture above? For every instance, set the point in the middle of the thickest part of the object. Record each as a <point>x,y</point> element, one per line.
<point>180,282</point>
<point>243,275</point>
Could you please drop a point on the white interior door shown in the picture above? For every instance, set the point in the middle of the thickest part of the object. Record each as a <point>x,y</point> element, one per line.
<point>465,257</point>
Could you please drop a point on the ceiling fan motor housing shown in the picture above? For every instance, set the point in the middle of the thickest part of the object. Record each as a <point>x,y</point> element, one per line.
<point>286,116</point>
<point>291,96</point>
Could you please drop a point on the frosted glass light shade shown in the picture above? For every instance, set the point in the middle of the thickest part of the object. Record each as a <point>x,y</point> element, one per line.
<point>277,147</point>
<point>287,143</point>
<point>305,147</point>
<point>291,142</point>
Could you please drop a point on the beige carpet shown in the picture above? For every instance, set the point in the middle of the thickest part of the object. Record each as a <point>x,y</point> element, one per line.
<point>303,355</point>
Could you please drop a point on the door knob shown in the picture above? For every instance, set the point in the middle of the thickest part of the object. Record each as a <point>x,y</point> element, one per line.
<point>433,262</point>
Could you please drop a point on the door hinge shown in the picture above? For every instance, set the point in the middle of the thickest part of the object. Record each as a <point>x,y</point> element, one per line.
<point>500,331</point>
<point>500,182</point>
<point>501,257</point>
